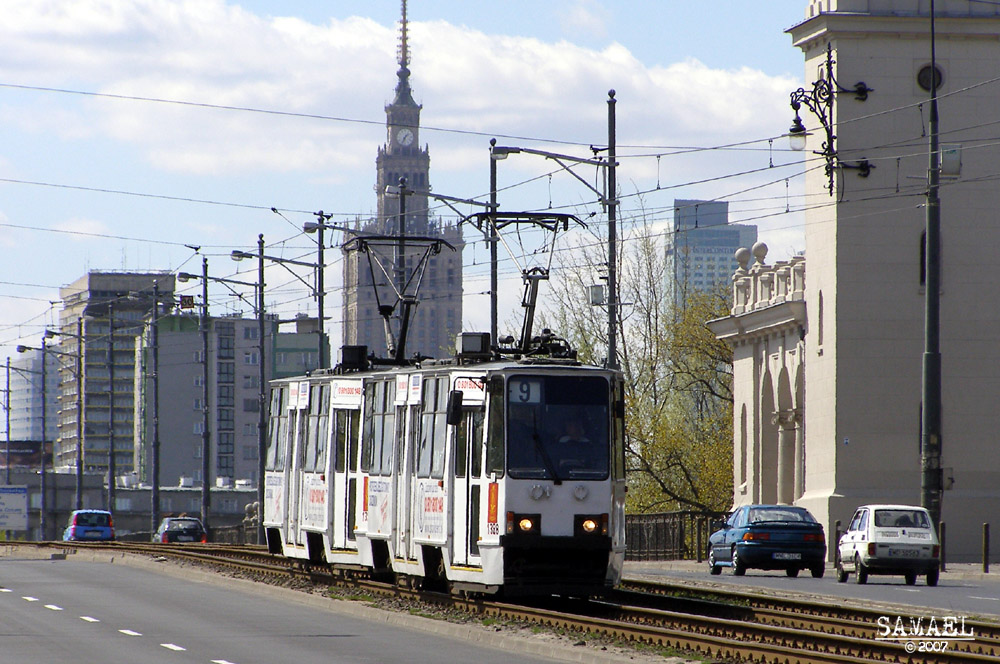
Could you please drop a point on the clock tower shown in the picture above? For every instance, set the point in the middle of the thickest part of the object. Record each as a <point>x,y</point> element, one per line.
<point>437,319</point>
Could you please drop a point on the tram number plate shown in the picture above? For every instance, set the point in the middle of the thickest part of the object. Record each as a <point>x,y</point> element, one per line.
<point>787,556</point>
<point>903,553</point>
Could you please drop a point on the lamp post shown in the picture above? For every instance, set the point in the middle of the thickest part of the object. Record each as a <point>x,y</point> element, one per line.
<point>42,521</point>
<point>262,387</point>
<point>80,430</point>
<point>203,322</point>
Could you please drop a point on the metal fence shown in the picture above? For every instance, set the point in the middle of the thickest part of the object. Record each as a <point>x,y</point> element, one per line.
<point>668,535</point>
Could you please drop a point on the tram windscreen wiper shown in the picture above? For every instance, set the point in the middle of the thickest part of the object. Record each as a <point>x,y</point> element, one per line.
<point>541,451</point>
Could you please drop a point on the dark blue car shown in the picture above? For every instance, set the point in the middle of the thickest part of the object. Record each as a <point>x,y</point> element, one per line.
<point>770,537</point>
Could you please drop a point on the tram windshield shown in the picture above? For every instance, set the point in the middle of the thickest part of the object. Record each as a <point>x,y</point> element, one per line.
<point>557,427</point>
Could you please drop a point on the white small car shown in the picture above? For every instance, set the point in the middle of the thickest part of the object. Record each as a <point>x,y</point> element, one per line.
<point>889,539</point>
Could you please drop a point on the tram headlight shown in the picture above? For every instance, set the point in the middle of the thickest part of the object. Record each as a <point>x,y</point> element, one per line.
<point>524,524</point>
<point>590,524</point>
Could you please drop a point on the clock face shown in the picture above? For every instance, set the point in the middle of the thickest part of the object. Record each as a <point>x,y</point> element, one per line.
<point>404,136</point>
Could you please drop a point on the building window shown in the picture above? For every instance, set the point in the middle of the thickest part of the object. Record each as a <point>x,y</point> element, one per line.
<point>226,442</point>
<point>251,382</point>
<point>251,406</point>
<point>250,333</point>
<point>250,357</point>
<point>227,396</point>
<point>226,372</point>
<point>225,419</point>
<point>250,429</point>
<point>227,348</point>
<point>199,428</point>
<point>250,453</point>
<point>199,381</point>
<point>224,466</point>
<point>198,404</point>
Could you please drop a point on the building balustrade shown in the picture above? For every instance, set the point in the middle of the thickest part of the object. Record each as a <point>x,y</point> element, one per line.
<point>759,286</point>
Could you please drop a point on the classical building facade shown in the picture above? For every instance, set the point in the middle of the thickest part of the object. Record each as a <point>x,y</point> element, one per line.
<point>852,431</point>
<point>438,318</point>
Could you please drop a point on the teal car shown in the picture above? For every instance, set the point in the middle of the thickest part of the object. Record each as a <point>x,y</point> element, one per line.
<point>768,537</point>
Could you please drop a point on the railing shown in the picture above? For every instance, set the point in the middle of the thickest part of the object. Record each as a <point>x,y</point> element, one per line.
<point>668,535</point>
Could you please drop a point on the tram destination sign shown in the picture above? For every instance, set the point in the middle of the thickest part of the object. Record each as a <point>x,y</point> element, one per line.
<point>14,507</point>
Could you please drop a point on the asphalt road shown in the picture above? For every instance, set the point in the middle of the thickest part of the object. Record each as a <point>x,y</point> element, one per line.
<point>58,611</point>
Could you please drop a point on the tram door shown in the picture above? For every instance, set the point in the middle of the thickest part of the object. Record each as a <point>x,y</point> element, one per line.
<point>297,418</point>
<point>470,487</point>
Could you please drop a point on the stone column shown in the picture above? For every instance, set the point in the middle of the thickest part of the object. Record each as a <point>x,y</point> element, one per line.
<point>785,419</point>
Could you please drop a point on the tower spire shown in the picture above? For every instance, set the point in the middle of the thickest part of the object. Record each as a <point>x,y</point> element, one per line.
<point>403,94</point>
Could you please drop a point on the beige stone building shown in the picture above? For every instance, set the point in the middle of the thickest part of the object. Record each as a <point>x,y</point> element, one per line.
<point>828,362</point>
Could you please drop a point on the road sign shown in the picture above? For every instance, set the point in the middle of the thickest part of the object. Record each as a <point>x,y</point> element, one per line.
<point>14,507</point>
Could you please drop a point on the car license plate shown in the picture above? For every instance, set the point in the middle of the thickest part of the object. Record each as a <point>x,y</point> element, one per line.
<point>787,556</point>
<point>903,553</point>
<point>92,534</point>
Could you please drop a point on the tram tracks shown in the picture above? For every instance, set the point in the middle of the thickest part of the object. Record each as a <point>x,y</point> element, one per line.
<point>723,625</point>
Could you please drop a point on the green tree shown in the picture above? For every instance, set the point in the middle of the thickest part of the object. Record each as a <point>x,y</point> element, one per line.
<point>678,375</point>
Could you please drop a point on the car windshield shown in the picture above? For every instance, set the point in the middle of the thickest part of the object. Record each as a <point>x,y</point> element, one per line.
<point>901,518</point>
<point>780,514</point>
<point>92,519</point>
<point>183,524</point>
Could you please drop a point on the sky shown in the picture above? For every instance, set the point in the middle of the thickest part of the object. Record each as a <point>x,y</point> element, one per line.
<point>134,130</point>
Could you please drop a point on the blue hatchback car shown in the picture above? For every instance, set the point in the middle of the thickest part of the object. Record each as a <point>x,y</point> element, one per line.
<point>770,537</point>
<point>89,526</point>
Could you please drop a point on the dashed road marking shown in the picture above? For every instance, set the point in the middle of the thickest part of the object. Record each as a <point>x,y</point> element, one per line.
<point>128,632</point>
<point>89,619</point>
<point>221,661</point>
<point>6,590</point>
<point>172,646</point>
<point>29,599</point>
<point>53,607</point>
<point>992,599</point>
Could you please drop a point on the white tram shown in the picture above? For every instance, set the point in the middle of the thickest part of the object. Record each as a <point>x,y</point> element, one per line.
<point>466,475</point>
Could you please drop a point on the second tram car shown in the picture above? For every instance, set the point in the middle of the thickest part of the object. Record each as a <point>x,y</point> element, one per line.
<point>504,475</point>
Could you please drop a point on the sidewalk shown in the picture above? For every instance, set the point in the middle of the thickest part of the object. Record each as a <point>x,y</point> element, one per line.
<point>971,571</point>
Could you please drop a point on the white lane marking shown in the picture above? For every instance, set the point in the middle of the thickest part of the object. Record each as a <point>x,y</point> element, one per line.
<point>89,619</point>
<point>992,599</point>
<point>221,661</point>
<point>53,607</point>
<point>128,632</point>
<point>171,646</point>
<point>6,590</point>
<point>29,599</point>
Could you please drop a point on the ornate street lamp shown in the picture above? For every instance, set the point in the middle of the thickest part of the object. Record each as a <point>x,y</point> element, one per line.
<point>820,100</point>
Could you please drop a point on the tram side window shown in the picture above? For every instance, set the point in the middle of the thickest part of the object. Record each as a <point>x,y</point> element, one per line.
<point>477,442</point>
<point>324,430</point>
<point>340,440</point>
<point>278,429</point>
<point>440,429</point>
<point>462,445</point>
<point>352,439</point>
<point>495,432</point>
<point>312,429</point>
<point>426,448</point>
<point>380,427</point>
<point>368,437</point>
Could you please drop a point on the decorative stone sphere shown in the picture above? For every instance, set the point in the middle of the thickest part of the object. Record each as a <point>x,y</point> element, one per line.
<point>759,252</point>
<point>742,256</point>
